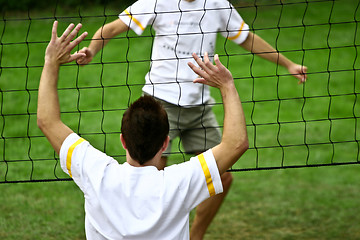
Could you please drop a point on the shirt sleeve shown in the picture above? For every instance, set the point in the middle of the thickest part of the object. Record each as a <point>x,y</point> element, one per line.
<point>83,163</point>
<point>195,180</point>
<point>210,172</point>
<point>206,176</point>
<point>233,26</point>
<point>139,15</point>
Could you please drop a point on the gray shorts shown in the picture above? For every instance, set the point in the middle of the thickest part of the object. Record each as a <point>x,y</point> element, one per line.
<point>196,127</point>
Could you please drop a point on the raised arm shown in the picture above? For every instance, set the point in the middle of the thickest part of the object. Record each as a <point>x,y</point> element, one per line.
<point>101,37</point>
<point>48,112</point>
<point>234,139</point>
<point>260,47</point>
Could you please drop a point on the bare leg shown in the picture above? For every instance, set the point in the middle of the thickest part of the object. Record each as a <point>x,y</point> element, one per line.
<point>206,211</point>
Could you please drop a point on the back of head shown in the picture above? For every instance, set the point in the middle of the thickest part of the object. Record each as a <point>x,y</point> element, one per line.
<point>144,127</point>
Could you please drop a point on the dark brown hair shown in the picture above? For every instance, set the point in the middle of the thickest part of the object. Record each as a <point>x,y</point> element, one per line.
<point>144,127</point>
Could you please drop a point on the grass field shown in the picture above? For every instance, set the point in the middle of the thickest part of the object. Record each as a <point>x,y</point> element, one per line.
<point>289,125</point>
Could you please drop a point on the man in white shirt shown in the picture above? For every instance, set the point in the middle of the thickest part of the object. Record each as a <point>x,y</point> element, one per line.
<point>184,27</point>
<point>139,199</point>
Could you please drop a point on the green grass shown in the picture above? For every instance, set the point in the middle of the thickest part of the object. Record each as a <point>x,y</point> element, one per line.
<point>288,124</point>
<point>42,211</point>
<point>311,203</point>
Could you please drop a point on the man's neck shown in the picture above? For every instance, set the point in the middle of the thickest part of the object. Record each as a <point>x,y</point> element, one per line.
<point>156,162</point>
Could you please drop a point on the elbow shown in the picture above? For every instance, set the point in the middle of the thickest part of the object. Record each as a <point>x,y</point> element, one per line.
<point>42,122</point>
<point>242,146</point>
<point>245,144</point>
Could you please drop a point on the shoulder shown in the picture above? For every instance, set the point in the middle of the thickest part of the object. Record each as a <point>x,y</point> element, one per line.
<point>203,165</point>
<point>70,143</point>
<point>151,4</point>
<point>75,150</point>
<point>218,3</point>
<point>198,175</point>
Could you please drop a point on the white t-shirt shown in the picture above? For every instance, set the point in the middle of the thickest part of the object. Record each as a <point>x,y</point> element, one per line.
<point>182,28</point>
<point>126,202</point>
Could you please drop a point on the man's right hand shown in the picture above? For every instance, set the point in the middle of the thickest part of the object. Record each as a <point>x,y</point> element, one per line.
<point>87,58</point>
<point>213,75</point>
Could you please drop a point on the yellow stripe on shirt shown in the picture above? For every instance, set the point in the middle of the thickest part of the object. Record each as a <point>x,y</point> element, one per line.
<point>135,20</point>
<point>207,174</point>
<point>69,154</point>
<point>238,34</point>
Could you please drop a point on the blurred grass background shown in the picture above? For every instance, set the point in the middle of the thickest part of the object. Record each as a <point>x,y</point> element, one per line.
<point>289,125</point>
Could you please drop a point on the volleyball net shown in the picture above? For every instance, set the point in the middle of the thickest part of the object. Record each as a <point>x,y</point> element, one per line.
<point>289,125</point>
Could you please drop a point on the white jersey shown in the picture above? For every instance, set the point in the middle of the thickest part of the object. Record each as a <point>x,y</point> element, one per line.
<point>126,202</point>
<point>182,28</point>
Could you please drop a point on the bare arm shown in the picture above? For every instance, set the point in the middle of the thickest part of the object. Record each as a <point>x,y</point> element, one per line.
<point>48,111</point>
<point>234,141</point>
<point>259,46</point>
<point>102,36</point>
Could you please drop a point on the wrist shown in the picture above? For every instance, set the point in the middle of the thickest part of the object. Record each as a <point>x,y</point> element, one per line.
<point>228,87</point>
<point>49,62</point>
<point>287,63</point>
<point>51,65</point>
<point>91,51</point>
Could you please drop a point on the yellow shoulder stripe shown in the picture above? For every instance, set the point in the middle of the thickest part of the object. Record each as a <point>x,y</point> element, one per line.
<point>239,32</point>
<point>135,20</point>
<point>69,154</point>
<point>207,174</point>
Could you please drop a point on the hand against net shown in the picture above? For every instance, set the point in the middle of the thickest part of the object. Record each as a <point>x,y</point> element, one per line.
<point>299,72</point>
<point>87,58</point>
<point>213,75</point>
<point>59,49</point>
